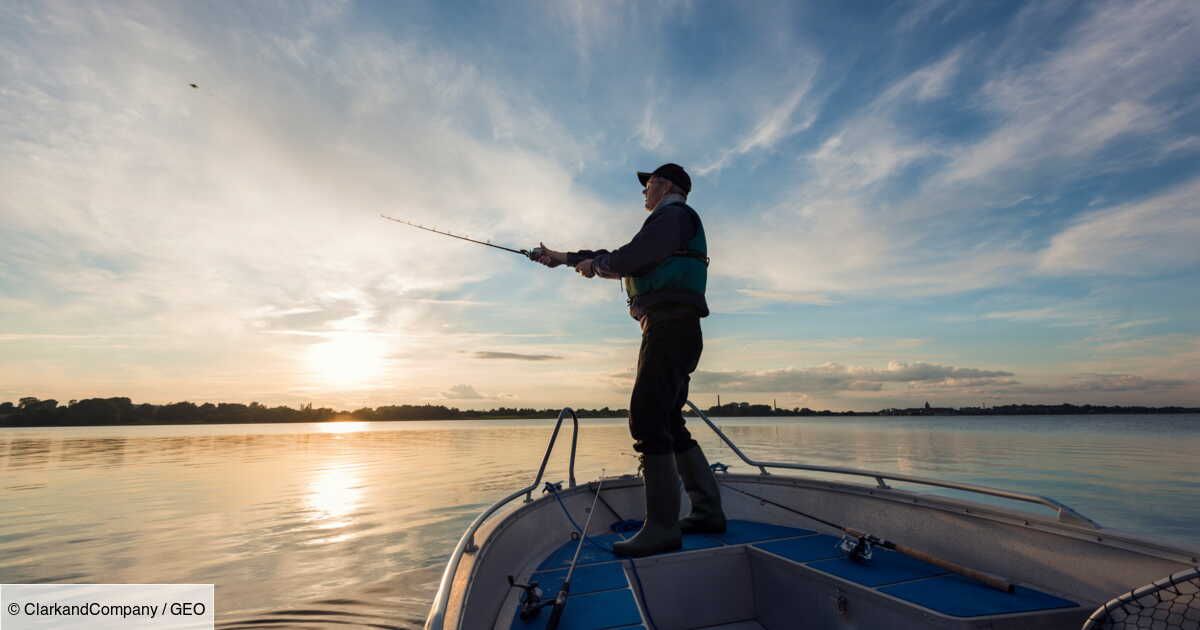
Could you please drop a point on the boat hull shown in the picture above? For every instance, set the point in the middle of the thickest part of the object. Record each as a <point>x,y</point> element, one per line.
<point>1074,561</point>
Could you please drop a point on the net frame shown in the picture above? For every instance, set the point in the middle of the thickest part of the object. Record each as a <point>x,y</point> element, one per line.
<point>1170,603</point>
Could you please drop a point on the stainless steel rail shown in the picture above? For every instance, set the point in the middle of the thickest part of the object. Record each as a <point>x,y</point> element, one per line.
<point>466,544</point>
<point>1065,513</point>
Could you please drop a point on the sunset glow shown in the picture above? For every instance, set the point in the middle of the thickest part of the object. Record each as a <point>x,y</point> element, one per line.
<point>967,204</point>
<point>347,361</point>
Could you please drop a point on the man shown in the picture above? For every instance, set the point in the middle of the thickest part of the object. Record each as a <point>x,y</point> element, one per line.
<point>664,270</point>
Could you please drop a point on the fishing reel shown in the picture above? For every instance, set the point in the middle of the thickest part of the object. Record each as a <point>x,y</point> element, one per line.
<point>857,548</point>
<point>531,599</point>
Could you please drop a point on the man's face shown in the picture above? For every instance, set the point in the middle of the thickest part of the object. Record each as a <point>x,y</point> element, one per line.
<point>656,188</point>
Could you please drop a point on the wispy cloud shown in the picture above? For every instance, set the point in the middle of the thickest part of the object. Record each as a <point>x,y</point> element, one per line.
<point>517,356</point>
<point>815,299</point>
<point>462,392</point>
<point>1056,108</point>
<point>1154,235</point>
<point>833,377</point>
<point>1103,383</point>
<point>774,126</point>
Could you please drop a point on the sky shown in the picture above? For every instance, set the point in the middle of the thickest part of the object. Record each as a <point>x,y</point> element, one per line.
<point>966,203</point>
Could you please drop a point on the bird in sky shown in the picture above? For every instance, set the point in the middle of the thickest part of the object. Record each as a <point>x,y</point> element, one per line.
<point>194,85</point>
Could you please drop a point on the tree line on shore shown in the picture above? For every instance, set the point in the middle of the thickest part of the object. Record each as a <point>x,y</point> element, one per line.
<point>31,411</point>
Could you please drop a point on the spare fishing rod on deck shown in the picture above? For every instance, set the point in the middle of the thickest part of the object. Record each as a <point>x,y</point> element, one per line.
<point>531,254</point>
<point>560,600</point>
<point>531,602</point>
<point>857,546</point>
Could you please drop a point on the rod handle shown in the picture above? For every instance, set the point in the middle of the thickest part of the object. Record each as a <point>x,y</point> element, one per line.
<point>556,612</point>
<point>990,579</point>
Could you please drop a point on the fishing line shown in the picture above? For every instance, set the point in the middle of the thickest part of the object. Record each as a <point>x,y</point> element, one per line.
<point>531,254</point>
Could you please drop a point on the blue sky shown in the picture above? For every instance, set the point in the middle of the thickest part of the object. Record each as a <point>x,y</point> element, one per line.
<point>963,203</point>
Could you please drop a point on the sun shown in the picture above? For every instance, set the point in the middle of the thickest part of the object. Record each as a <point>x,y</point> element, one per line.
<point>348,360</point>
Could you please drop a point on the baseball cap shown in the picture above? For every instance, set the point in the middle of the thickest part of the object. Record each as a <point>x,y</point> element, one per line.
<point>673,173</point>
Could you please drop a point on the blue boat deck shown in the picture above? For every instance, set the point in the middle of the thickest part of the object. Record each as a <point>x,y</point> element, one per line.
<point>602,597</point>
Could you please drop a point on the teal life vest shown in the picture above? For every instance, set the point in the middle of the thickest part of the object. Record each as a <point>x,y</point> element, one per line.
<point>684,270</point>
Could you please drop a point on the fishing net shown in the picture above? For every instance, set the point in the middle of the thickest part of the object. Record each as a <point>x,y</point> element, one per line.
<point>1172,603</point>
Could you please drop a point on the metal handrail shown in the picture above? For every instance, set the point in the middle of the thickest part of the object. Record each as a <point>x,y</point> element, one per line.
<point>1065,513</point>
<point>466,544</point>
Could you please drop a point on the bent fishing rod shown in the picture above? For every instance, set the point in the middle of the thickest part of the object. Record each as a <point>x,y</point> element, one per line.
<point>857,545</point>
<point>531,254</point>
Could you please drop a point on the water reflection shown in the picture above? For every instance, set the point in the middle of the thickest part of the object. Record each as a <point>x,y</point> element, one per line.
<point>350,522</point>
<point>334,493</point>
<point>342,426</point>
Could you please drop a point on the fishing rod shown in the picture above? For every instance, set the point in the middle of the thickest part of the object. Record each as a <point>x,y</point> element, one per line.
<point>531,599</point>
<point>560,600</point>
<point>531,254</point>
<point>858,544</point>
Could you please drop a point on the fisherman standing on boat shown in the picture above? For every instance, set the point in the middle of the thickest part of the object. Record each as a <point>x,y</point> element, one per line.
<point>664,270</point>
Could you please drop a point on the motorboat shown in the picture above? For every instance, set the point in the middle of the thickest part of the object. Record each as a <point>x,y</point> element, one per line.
<point>808,547</point>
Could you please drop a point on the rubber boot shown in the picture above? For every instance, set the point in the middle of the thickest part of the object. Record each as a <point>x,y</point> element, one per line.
<point>701,485</point>
<point>661,529</point>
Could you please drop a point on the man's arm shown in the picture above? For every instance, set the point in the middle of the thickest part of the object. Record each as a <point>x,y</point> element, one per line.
<point>574,258</point>
<point>552,258</point>
<point>663,234</point>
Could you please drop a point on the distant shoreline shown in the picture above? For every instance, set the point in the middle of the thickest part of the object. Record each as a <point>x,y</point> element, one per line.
<point>32,412</point>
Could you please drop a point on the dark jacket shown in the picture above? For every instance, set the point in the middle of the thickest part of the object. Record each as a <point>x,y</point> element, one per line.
<point>666,231</point>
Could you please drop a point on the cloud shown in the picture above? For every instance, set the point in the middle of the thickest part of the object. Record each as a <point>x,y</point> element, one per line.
<point>1056,109</point>
<point>462,392</point>
<point>930,82</point>
<point>649,132</point>
<point>135,204</point>
<point>1155,235</point>
<point>890,202</point>
<point>774,126</point>
<point>922,13</point>
<point>833,377</point>
<point>1056,315</point>
<point>218,233</point>
<point>518,356</point>
<point>815,299</point>
<point>1103,383</point>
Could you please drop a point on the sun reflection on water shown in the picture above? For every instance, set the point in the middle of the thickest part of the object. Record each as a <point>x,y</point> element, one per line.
<point>334,493</point>
<point>342,426</point>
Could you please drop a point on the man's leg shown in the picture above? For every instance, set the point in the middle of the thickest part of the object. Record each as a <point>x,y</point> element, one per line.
<point>655,389</point>
<point>698,479</point>
<point>668,354</point>
<point>691,343</point>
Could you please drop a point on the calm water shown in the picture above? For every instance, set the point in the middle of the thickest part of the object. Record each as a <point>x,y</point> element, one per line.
<point>350,523</point>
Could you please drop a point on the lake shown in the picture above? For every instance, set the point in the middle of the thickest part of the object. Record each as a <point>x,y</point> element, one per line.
<point>323,525</point>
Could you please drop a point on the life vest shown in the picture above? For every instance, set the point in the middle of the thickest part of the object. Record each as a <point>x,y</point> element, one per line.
<point>684,270</point>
